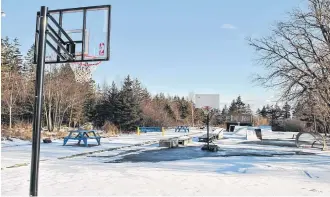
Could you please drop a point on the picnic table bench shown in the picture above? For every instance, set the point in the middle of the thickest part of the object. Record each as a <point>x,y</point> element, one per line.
<point>83,135</point>
<point>184,128</point>
<point>150,129</point>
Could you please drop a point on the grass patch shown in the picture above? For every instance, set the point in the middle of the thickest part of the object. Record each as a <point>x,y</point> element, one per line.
<point>23,131</point>
<point>18,165</point>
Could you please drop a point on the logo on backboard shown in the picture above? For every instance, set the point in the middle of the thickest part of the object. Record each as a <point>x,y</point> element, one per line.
<point>101,49</point>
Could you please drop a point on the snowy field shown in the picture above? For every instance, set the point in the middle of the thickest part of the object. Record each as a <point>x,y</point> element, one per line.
<point>131,165</point>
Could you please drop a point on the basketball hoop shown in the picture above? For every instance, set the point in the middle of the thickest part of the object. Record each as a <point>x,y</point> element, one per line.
<point>83,70</point>
<point>206,109</point>
<point>87,63</point>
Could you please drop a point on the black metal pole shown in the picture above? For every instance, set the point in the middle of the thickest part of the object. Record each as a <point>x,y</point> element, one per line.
<point>207,129</point>
<point>38,102</point>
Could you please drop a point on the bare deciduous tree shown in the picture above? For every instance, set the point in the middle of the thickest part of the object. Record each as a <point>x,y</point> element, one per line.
<point>296,55</point>
<point>297,59</point>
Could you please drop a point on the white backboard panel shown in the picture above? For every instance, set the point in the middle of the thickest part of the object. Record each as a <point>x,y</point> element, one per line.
<point>202,100</point>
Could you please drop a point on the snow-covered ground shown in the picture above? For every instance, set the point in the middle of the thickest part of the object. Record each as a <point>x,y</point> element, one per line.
<point>134,165</point>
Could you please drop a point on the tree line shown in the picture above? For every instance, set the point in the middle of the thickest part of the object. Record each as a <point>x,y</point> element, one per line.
<point>71,103</point>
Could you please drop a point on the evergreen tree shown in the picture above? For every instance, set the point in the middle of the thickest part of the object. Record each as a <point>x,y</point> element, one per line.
<point>11,57</point>
<point>29,68</point>
<point>184,108</point>
<point>114,104</point>
<point>263,112</point>
<point>89,107</point>
<point>169,110</point>
<point>274,113</point>
<point>139,92</point>
<point>240,106</point>
<point>216,118</point>
<point>224,111</point>
<point>129,106</point>
<point>286,110</point>
<point>232,108</point>
<point>248,109</point>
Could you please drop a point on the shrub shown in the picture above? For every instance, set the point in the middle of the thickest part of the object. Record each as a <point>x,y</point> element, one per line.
<point>23,131</point>
<point>294,125</point>
<point>110,129</point>
<point>289,125</point>
<point>88,126</point>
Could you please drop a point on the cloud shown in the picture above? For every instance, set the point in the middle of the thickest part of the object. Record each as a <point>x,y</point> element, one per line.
<point>228,26</point>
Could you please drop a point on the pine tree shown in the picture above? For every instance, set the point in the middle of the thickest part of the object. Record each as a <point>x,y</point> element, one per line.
<point>274,113</point>
<point>99,106</point>
<point>224,111</point>
<point>240,105</point>
<point>263,112</point>
<point>130,108</point>
<point>29,68</point>
<point>216,117</point>
<point>258,111</point>
<point>184,108</point>
<point>232,108</point>
<point>139,92</point>
<point>90,105</point>
<point>11,57</point>
<point>286,110</point>
<point>114,104</point>
<point>168,109</point>
<point>248,110</point>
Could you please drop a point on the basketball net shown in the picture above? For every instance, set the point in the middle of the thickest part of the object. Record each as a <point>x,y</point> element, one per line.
<point>83,70</point>
<point>206,109</point>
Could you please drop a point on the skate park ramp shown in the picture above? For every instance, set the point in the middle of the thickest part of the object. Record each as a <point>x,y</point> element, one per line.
<point>242,132</point>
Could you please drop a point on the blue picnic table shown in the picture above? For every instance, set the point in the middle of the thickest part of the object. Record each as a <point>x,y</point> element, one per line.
<point>82,135</point>
<point>184,128</point>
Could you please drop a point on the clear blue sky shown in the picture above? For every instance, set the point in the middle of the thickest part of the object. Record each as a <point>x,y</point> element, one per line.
<point>173,46</point>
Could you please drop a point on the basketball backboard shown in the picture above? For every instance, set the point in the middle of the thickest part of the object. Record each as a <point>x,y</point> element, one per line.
<point>210,100</point>
<point>77,34</point>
